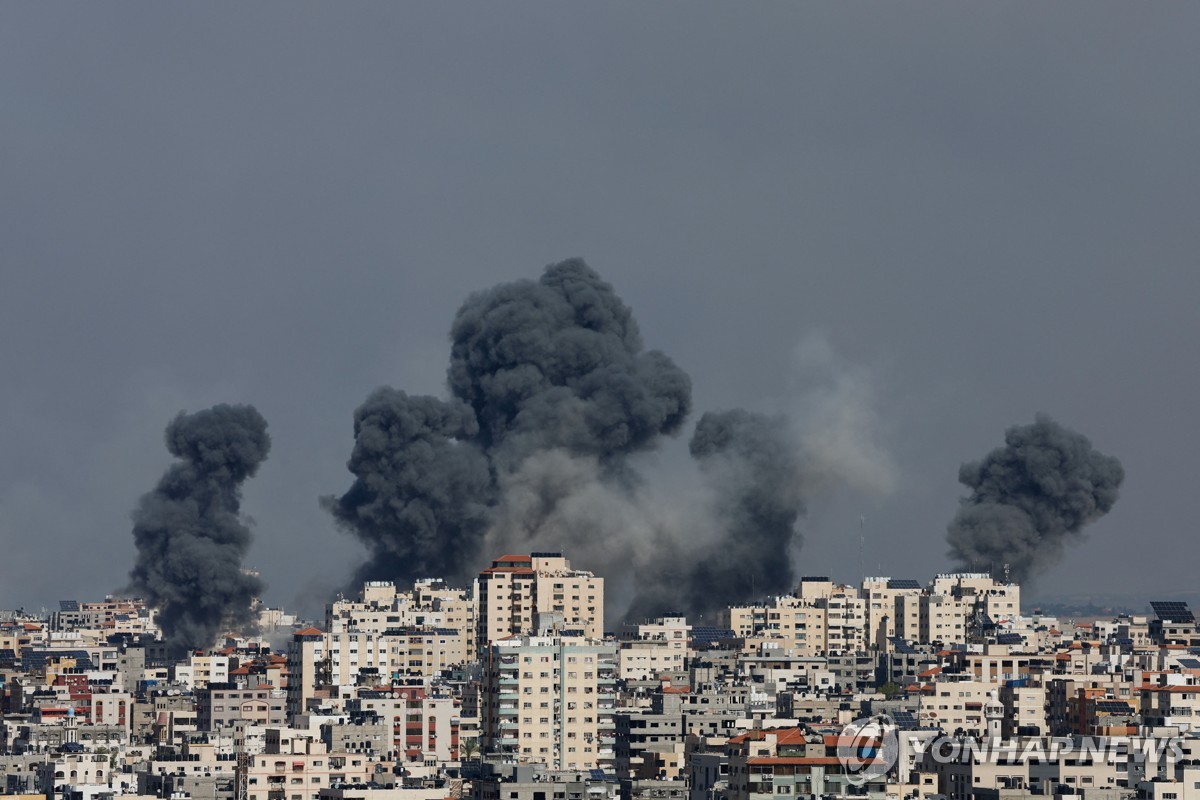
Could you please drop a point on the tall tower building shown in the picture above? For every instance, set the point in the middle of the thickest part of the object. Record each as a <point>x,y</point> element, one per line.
<point>538,593</point>
<point>550,700</point>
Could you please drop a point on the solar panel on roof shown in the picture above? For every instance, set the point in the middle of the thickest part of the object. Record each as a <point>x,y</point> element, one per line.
<point>902,583</point>
<point>37,659</point>
<point>1172,611</point>
<point>705,634</point>
<point>900,645</point>
<point>905,720</point>
<point>68,605</point>
<point>1009,638</point>
<point>1114,707</point>
<point>1189,663</point>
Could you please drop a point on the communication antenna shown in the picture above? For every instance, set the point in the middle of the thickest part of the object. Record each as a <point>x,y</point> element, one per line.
<point>862,547</point>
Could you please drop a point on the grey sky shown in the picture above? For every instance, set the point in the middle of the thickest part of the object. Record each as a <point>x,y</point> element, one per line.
<point>990,209</point>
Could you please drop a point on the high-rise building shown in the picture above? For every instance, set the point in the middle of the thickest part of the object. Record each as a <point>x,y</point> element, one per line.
<point>538,593</point>
<point>305,652</point>
<point>550,700</point>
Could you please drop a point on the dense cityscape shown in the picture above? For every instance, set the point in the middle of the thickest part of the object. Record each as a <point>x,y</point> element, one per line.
<point>514,687</point>
<point>599,401</point>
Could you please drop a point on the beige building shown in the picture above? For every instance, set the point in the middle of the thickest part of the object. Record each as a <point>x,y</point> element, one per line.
<point>1024,710</point>
<point>202,670</point>
<point>944,618</point>
<point>956,705</point>
<point>306,652</point>
<point>550,700</point>
<point>658,646</point>
<point>297,766</point>
<point>425,728</point>
<point>430,604</point>
<point>351,652</point>
<point>538,593</point>
<point>892,610</point>
<point>822,617</point>
<point>425,652</point>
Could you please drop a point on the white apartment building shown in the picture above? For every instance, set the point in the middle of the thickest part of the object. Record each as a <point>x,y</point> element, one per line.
<point>540,592</point>
<point>550,700</point>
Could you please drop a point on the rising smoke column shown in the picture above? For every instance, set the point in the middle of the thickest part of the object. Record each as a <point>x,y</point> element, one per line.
<point>555,364</point>
<point>1030,498</point>
<point>559,363</point>
<point>757,477</point>
<point>422,489</point>
<point>190,540</point>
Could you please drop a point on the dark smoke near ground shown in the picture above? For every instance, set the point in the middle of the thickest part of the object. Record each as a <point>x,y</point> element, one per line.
<point>1030,498</point>
<point>190,539</point>
<point>757,487</point>
<point>423,489</point>
<point>756,480</point>
<point>553,364</point>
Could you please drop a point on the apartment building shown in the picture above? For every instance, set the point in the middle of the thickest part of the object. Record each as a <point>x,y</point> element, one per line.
<point>550,699</point>
<point>425,652</point>
<point>956,706</point>
<point>430,605</point>
<point>944,618</point>
<point>1024,709</point>
<point>306,652</point>
<point>538,593</point>
<point>891,609</point>
<point>297,766</point>
<point>220,705</point>
<point>425,728</point>
<point>202,670</point>
<point>654,648</point>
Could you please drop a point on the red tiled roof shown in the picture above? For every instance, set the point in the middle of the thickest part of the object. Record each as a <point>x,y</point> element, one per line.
<point>835,740</point>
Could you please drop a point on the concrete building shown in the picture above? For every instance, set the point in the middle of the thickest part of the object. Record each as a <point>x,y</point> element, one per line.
<point>306,652</point>
<point>535,594</point>
<point>890,610</point>
<point>219,705</point>
<point>550,700</point>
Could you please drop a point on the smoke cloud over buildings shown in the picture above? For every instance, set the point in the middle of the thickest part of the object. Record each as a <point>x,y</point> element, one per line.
<point>756,480</point>
<point>190,539</point>
<point>422,490</point>
<point>543,445</point>
<point>1031,498</point>
<point>537,367</point>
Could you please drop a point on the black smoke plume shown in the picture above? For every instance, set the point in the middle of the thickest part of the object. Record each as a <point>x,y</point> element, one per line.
<point>756,479</point>
<point>1030,498</point>
<point>758,485</point>
<point>190,539</point>
<point>559,364</point>
<point>555,364</point>
<point>421,496</point>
